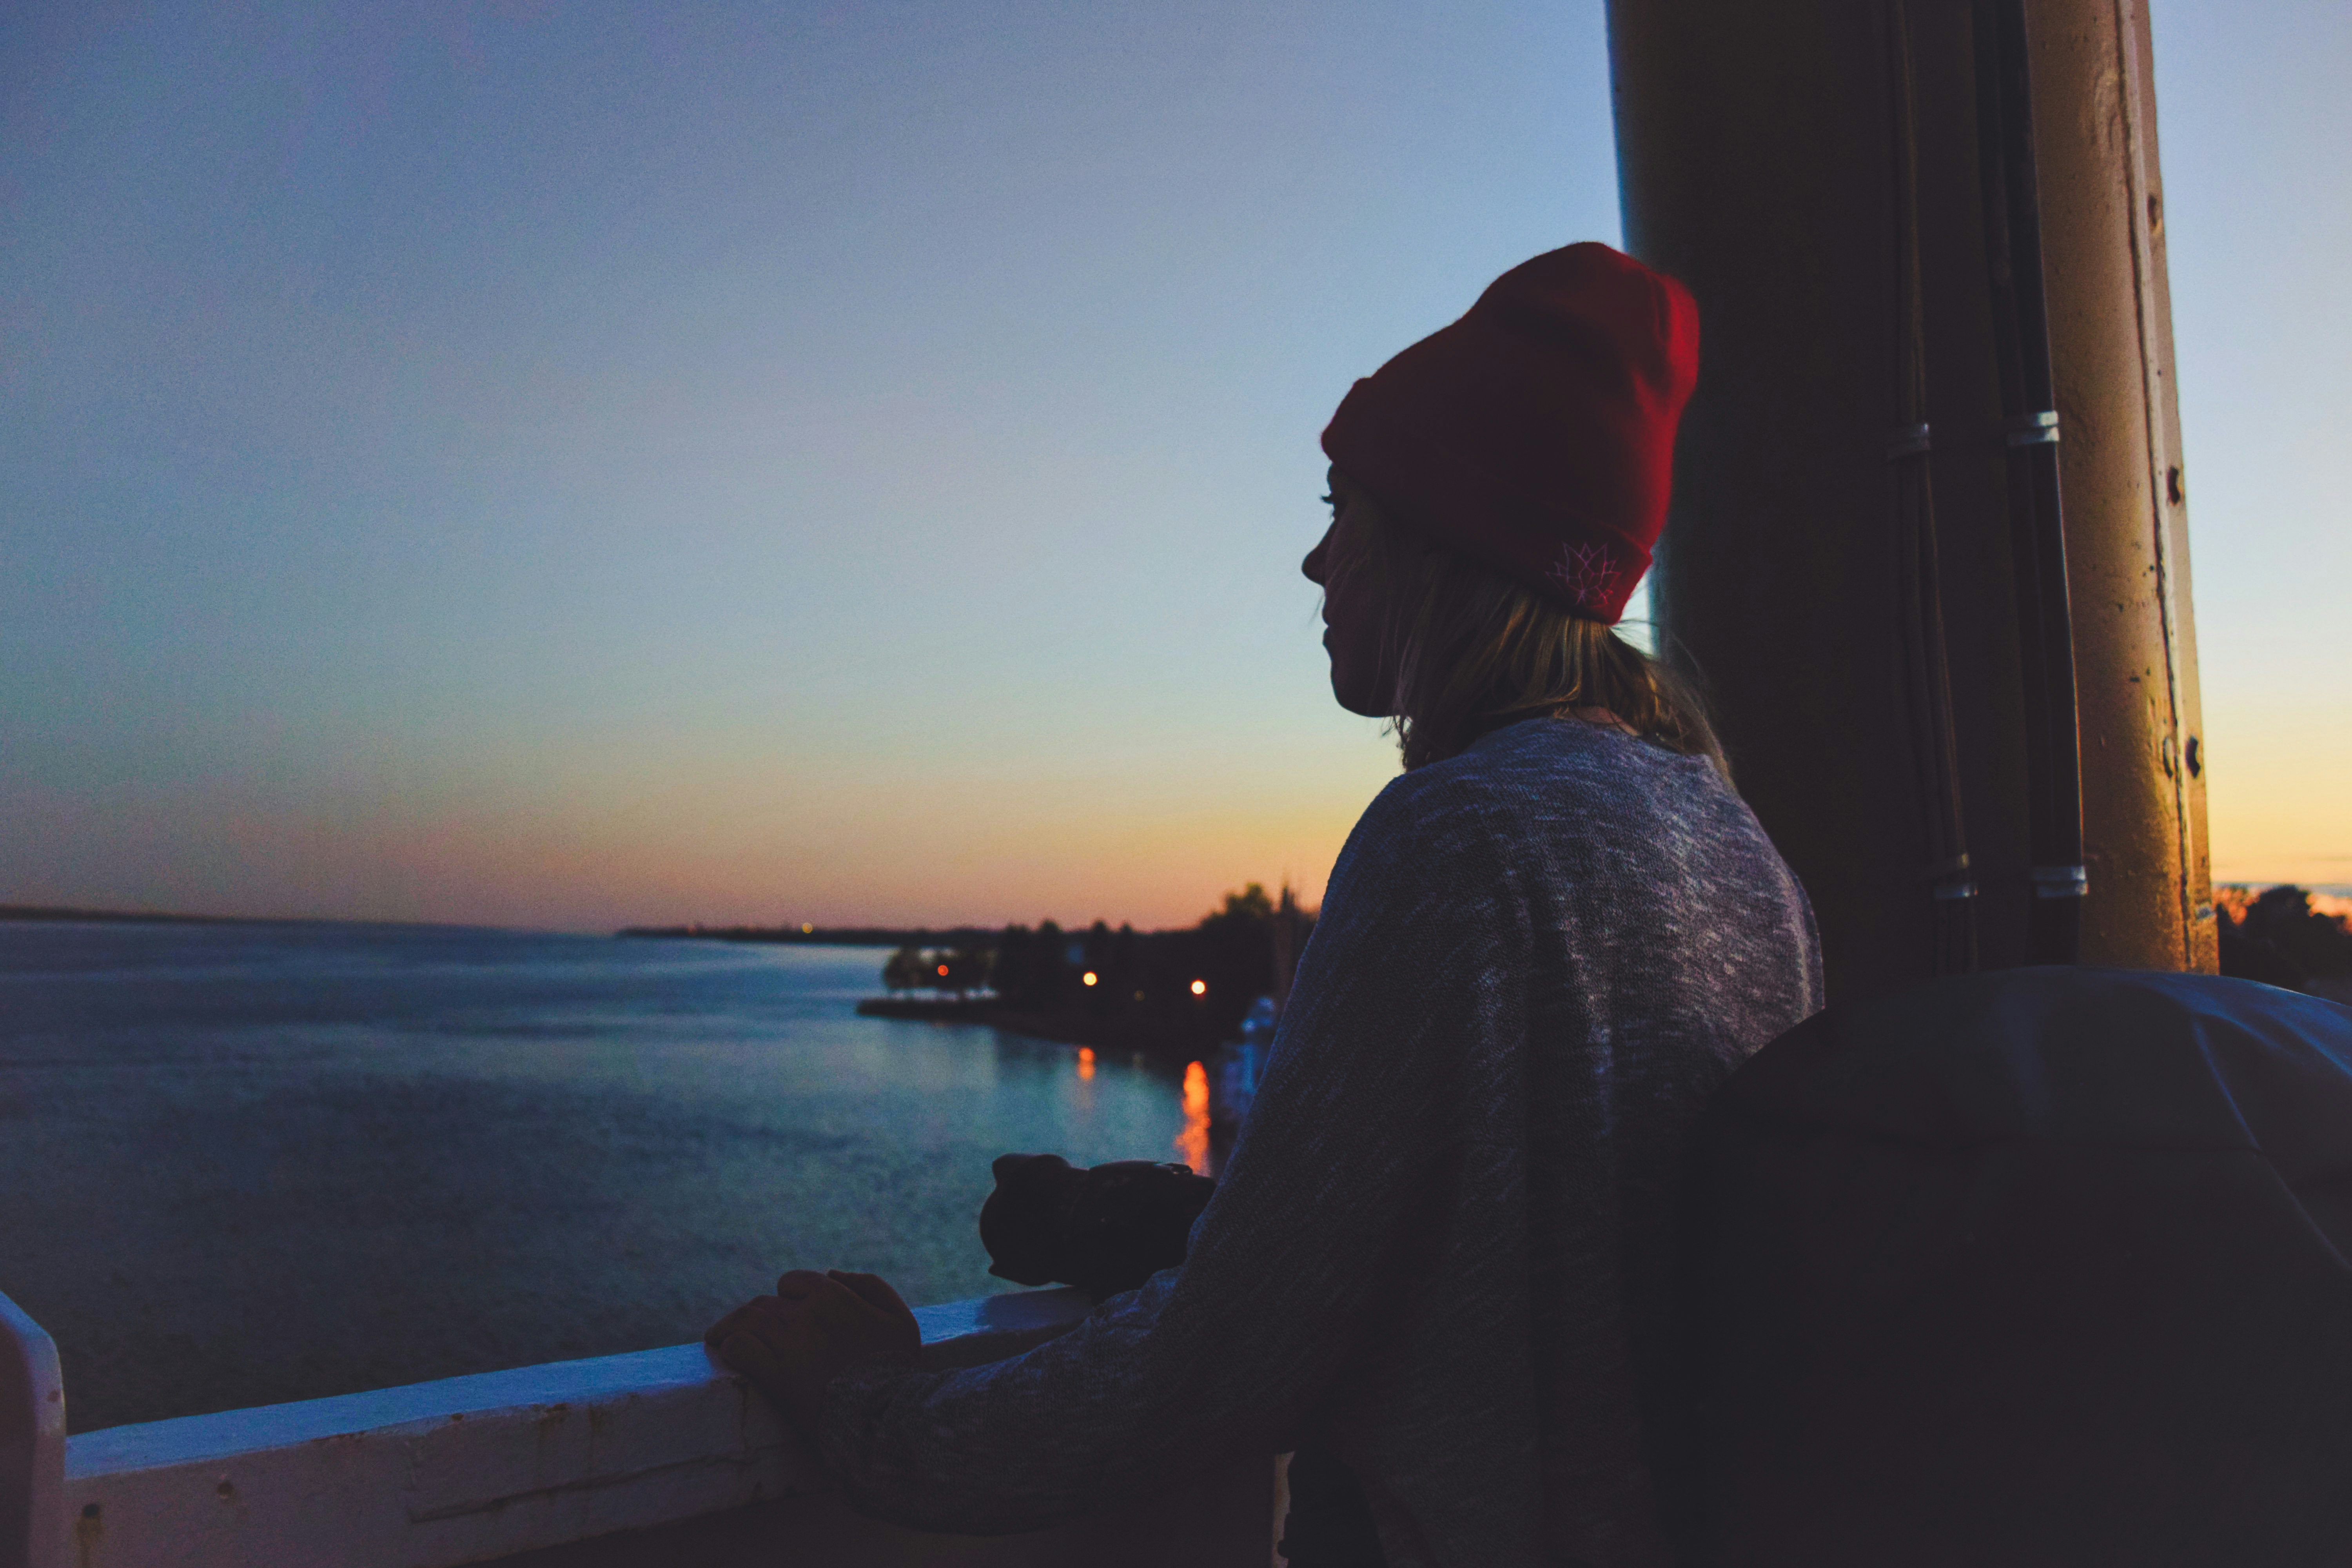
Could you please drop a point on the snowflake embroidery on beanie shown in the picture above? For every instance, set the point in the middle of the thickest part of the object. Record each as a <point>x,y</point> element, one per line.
<point>1587,573</point>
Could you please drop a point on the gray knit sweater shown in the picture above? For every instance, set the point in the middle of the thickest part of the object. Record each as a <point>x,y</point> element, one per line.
<point>1446,1219</point>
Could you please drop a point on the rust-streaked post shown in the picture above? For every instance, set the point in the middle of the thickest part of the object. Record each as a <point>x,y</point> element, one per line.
<point>1758,150</point>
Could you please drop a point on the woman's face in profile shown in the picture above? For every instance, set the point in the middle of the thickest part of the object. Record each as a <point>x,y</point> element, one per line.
<point>1353,618</point>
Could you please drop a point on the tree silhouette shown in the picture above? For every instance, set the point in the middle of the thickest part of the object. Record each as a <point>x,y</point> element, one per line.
<point>967,969</point>
<point>1232,955</point>
<point>2282,940</point>
<point>1015,956</point>
<point>903,970</point>
<point>1038,978</point>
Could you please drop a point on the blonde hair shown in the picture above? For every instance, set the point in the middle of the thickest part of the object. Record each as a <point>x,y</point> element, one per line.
<point>1473,651</point>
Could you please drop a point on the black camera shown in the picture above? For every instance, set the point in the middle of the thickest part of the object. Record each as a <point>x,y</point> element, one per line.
<point>1104,1228</point>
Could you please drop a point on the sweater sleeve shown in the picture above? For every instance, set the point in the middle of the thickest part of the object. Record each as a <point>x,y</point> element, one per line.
<point>1289,1269</point>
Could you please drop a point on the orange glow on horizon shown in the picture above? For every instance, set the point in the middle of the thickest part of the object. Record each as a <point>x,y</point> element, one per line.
<point>1193,1142</point>
<point>728,836</point>
<point>1086,1062</point>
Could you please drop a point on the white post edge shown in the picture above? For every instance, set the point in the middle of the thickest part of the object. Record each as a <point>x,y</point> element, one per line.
<point>32,1445</point>
<point>467,1468</point>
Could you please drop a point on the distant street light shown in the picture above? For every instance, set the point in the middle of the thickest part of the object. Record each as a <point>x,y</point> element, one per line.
<point>943,971</point>
<point>1200,988</point>
<point>1088,977</point>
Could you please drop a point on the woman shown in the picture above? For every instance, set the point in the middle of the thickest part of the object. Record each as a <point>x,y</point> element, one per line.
<point>1439,1252</point>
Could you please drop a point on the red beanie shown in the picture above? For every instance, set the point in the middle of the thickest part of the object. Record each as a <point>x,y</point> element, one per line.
<point>1536,433</point>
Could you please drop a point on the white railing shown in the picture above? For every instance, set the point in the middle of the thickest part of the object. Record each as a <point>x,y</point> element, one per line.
<point>465,1469</point>
<point>32,1444</point>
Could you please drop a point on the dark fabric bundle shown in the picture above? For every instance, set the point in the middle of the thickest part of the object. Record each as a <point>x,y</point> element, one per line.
<point>2037,1267</point>
<point>1104,1230</point>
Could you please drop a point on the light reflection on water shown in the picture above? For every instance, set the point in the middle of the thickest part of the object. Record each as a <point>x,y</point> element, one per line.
<point>1192,1141</point>
<point>253,1164</point>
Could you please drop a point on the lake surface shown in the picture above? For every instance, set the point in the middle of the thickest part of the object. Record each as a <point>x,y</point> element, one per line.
<point>248,1164</point>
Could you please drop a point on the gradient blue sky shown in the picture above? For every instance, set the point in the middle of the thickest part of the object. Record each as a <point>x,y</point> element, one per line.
<point>568,465</point>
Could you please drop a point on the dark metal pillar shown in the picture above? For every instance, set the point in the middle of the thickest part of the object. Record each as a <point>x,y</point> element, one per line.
<point>1764,160</point>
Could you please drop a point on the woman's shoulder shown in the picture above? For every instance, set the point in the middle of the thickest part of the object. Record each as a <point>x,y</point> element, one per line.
<point>1554,793</point>
<point>1542,766</point>
<point>1579,822</point>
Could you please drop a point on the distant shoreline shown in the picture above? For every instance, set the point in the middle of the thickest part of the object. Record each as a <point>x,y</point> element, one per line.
<point>145,916</point>
<point>35,914</point>
<point>820,936</point>
<point>854,936</point>
<point>808,936</point>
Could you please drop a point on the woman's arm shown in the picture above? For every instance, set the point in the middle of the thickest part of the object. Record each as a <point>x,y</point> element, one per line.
<point>1316,1225</point>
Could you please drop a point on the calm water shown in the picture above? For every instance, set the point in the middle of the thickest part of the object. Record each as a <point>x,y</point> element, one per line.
<point>248,1164</point>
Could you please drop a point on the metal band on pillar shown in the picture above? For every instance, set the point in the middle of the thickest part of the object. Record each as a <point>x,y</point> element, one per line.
<point>2032,429</point>
<point>2061,882</point>
<point>1950,880</point>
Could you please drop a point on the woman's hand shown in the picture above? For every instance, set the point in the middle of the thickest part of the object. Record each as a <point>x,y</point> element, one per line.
<point>791,1343</point>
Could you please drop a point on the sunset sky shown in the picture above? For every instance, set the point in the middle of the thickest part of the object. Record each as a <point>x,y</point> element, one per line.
<point>577,465</point>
